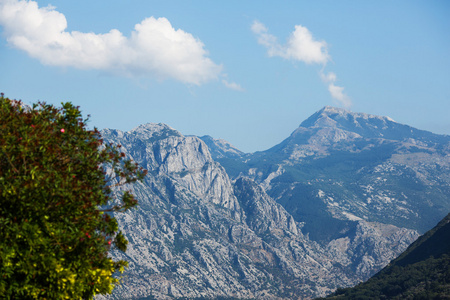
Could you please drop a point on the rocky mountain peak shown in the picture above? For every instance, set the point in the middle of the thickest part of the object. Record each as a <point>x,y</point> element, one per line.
<point>331,125</point>
<point>360,123</point>
<point>327,207</point>
<point>154,131</point>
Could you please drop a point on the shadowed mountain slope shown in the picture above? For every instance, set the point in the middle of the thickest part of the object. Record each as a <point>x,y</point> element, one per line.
<point>421,272</point>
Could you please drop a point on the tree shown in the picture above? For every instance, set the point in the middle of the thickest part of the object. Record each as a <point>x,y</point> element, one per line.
<point>57,205</point>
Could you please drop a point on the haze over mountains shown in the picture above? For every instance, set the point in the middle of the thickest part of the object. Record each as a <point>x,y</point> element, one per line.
<point>328,207</point>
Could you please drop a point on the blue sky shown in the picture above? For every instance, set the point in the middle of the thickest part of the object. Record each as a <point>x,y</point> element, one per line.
<point>246,71</point>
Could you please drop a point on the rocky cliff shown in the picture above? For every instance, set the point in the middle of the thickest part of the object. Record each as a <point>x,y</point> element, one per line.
<point>198,233</point>
<point>354,166</point>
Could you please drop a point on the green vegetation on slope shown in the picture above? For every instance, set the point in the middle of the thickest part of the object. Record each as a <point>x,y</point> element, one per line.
<point>421,272</point>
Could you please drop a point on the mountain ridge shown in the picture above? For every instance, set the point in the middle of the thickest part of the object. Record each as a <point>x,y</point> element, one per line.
<point>386,168</point>
<point>328,111</point>
<point>328,208</point>
<point>335,124</point>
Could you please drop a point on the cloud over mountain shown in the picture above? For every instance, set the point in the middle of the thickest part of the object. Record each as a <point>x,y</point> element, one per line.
<point>337,92</point>
<point>302,46</point>
<point>154,48</point>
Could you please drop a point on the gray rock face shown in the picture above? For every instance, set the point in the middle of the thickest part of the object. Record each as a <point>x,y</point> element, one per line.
<point>354,166</point>
<point>220,148</point>
<point>197,233</point>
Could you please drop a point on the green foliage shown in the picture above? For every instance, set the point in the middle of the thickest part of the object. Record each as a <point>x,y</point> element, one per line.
<point>429,279</point>
<point>421,272</point>
<point>56,202</point>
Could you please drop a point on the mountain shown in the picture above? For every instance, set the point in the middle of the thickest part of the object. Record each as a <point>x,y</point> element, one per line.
<point>198,233</point>
<point>220,148</point>
<point>421,272</point>
<point>339,167</point>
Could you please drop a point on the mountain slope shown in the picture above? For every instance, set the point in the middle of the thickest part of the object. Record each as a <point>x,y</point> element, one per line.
<point>220,148</point>
<point>340,166</point>
<point>421,272</point>
<point>196,233</point>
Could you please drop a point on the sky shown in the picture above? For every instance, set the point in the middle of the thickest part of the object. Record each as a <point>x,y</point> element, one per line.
<point>248,72</point>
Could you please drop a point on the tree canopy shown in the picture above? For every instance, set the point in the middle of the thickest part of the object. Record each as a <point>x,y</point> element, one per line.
<point>57,205</point>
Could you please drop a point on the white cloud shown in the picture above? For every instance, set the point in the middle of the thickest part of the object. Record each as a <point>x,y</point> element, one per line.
<point>154,48</point>
<point>330,77</point>
<point>266,39</point>
<point>232,85</point>
<point>300,46</point>
<point>336,92</point>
